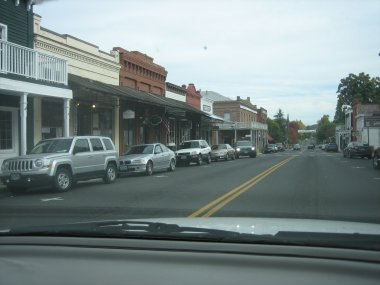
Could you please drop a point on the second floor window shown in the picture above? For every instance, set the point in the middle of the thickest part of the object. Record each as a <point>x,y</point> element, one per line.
<point>227,116</point>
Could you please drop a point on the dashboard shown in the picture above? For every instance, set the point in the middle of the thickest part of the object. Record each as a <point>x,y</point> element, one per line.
<point>77,260</point>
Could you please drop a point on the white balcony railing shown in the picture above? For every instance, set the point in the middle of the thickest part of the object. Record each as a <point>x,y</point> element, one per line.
<point>20,60</point>
<point>242,125</point>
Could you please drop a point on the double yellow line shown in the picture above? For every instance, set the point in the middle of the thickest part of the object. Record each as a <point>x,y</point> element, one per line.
<point>217,204</point>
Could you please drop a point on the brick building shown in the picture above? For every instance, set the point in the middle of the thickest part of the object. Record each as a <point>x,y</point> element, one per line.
<point>238,110</point>
<point>244,121</point>
<point>139,72</point>
<point>193,96</point>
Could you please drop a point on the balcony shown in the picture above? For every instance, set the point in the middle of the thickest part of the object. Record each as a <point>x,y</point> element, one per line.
<point>26,62</point>
<point>243,126</point>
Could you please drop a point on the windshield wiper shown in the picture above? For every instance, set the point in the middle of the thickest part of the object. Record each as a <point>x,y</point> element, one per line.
<point>159,230</point>
<point>140,229</point>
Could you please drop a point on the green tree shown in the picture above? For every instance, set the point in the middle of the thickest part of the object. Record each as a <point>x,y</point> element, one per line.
<point>325,129</point>
<point>274,130</point>
<point>359,87</point>
<point>282,124</point>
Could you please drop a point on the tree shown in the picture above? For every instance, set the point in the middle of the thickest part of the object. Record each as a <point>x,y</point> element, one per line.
<point>325,129</point>
<point>282,124</point>
<point>274,130</point>
<point>294,126</point>
<point>359,87</point>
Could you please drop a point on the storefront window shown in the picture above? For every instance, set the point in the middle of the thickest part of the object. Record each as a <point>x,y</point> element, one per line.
<point>6,135</point>
<point>52,119</point>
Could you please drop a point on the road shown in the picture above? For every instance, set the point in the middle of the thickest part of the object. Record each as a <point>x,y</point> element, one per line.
<point>306,184</point>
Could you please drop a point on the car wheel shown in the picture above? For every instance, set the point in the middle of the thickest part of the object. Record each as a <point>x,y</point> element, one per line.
<point>62,180</point>
<point>227,157</point>
<point>375,163</point>
<point>149,168</point>
<point>172,165</point>
<point>199,161</point>
<point>110,174</point>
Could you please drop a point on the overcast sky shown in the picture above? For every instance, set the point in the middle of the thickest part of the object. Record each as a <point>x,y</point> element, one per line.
<point>282,54</point>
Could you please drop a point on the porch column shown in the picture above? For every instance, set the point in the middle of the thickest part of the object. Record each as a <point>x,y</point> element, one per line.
<point>116,128</point>
<point>66,117</point>
<point>23,115</point>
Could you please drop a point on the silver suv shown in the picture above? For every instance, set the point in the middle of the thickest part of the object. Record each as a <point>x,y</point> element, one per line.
<point>194,151</point>
<point>60,162</point>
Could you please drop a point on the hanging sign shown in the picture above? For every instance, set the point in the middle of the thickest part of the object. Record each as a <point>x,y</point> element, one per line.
<point>128,114</point>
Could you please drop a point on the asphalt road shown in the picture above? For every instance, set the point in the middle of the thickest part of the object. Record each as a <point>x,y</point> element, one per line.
<point>306,184</point>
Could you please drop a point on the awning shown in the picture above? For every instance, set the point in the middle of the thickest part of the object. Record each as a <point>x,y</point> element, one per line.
<point>105,92</point>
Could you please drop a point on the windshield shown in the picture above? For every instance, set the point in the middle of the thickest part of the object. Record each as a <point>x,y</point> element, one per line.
<point>52,146</point>
<point>192,144</point>
<point>243,143</point>
<point>221,146</point>
<point>281,88</point>
<point>140,149</point>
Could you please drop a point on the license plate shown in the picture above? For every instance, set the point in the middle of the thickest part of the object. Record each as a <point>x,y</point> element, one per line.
<point>183,157</point>
<point>123,167</point>
<point>15,176</point>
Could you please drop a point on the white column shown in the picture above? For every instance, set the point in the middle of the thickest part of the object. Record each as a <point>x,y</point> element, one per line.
<point>116,128</point>
<point>66,117</point>
<point>23,115</point>
<point>37,113</point>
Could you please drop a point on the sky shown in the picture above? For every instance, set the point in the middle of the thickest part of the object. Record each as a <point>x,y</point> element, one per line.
<point>282,54</point>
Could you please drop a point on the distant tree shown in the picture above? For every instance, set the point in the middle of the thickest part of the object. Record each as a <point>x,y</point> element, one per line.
<point>359,87</point>
<point>293,132</point>
<point>274,130</point>
<point>282,123</point>
<point>293,128</point>
<point>325,129</point>
<point>301,126</point>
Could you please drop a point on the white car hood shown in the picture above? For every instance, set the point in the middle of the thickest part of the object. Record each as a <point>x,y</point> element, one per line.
<point>187,150</point>
<point>271,226</point>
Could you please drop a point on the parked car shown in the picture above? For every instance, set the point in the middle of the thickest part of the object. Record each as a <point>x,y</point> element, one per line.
<point>323,146</point>
<point>222,151</point>
<point>270,148</point>
<point>147,158</point>
<point>311,146</point>
<point>60,162</point>
<point>376,158</point>
<point>194,151</point>
<point>245,148</point>
<point>357,149</point>
<point>280,147</point>
<point>331,147</point>
<point>296,147</point>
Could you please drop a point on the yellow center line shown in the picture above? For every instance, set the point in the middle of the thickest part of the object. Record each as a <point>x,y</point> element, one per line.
<point>220,202</point>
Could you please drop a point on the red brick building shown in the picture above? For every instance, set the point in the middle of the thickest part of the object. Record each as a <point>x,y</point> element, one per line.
<point>138,71</point>
<point>239,111</point>
<point>193,96</point>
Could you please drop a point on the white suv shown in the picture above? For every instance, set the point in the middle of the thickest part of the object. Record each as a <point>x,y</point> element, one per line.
<point>60,162</point>
<point>194,151</point>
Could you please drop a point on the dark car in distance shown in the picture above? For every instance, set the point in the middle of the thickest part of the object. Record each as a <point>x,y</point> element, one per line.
<point>331,147</point>
<point>311,146</point>
<point>270,148</point>
<point>245,148</point>
<point>357,149</point>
